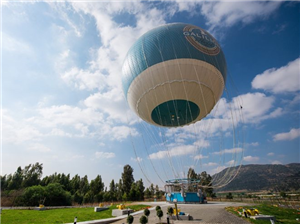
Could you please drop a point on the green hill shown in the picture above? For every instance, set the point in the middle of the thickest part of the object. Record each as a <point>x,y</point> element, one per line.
<point>263,177</point>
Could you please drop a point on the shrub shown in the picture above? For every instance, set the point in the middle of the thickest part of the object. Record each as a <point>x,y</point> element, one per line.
<point>170,210</point>
<point>130,219</point>
<point>159,214</point>
<point>56,195</point>
<point>146,212</point>
<point>33,195</point>
<point>229,196</point>
<point>158,208</point>
<point>143,219</point>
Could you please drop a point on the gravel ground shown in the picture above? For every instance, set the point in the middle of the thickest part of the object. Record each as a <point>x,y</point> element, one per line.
<point>213,212</point>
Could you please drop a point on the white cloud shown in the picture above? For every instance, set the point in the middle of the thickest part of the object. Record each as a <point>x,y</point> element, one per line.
<point>226,14</point>
<point>254,144</point>
<point>281,80</point>
<point>38,147</point>
<point>200,157</point>
<point>210,164</point>
<point>251,158</point>
<point>104,155</point>
<point>83,79</point>
<point>270,154</point>
<point>287,136</point>
<point>137,159</point>
<point>276,162</point>
<point>217,170</point>
<point>229,151</point>
<point>12,44</point>
<point>175,151</point>
<point>231,163</point>
<point>113,104</point>
<point>257,107</point>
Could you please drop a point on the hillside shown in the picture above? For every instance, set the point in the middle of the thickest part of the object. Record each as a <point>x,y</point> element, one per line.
<point>263,177</point>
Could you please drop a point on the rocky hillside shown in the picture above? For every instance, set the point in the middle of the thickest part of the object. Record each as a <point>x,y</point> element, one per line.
<point>264,177</point>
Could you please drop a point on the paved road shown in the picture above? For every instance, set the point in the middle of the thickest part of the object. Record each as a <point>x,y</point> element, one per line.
<point>213,212</point>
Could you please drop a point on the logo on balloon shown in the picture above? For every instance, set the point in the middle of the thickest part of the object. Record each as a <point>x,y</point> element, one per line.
<point>201,40</point>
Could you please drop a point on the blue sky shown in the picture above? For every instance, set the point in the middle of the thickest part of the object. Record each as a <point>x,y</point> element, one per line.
<point>62,101</point>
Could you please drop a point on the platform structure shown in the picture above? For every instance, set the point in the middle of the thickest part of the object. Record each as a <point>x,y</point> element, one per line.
<point>184,190</point>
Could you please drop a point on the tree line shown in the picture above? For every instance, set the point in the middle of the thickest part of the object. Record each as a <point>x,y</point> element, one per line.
<point>26,187</point>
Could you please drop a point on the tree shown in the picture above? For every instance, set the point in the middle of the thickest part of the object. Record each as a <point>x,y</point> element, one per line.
<point>75,184</point>
<point>88,197</point>
<point>97,185</point>
<point>78,198</point>
<point>84,185</point>
<point>16,180</point>
<point>191,174</point>
<point>3,182</point>
<point>119,190</point>
<point>32,174</point>
<point>205,180</point>
<point>152,191</point>
<point>133,193</point>
<point>229,195</point>
<point>112,190</point>
<point>127,179</point>
<point>147,193</point>
<point>140,189</point>
<point>157,192</point>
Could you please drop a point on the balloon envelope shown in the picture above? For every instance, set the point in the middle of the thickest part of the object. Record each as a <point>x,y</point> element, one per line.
<point>174,74</point>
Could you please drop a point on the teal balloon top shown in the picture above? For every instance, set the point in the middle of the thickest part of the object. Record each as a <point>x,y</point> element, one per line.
<point>171,42</point>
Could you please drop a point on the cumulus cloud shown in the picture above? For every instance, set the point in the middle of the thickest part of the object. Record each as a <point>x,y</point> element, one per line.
<point>104,155</point>
<point>226,14</point>
<point>113,104</point>
<point>287,136</point>
<point>257,107</point>
<point>228,151</point>
<point>210,164</point>
<point>254,144</point>
<point>137,159</point>
<point>175,151</point>
<point>281,80</point>
<point>231,163</point>
<point>84,79</point>
<point>200,157</point>
<point>38,147</point>
<point>276,162</point>
<point>14,45</point>
<point>270,154</point>
<point>251,158</point>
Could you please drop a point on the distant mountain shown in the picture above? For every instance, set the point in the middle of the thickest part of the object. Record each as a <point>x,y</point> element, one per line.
<point>263,177</point>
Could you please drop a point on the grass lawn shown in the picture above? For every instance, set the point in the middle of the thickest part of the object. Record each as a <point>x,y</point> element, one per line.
<point>65,215</point>
<point>282,215</point>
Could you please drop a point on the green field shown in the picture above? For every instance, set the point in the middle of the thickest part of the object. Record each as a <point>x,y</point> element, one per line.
<point>65,215</point>
<point>282,215</point>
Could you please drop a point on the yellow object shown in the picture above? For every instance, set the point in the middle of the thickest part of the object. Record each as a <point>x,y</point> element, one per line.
<point>174,211</point>
<point>121,206</point>
<point>41,206</point>
<point>101,205</point>
<point>252,211</point>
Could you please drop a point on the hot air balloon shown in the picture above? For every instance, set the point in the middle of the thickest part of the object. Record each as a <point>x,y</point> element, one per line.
<point>173,76</point>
